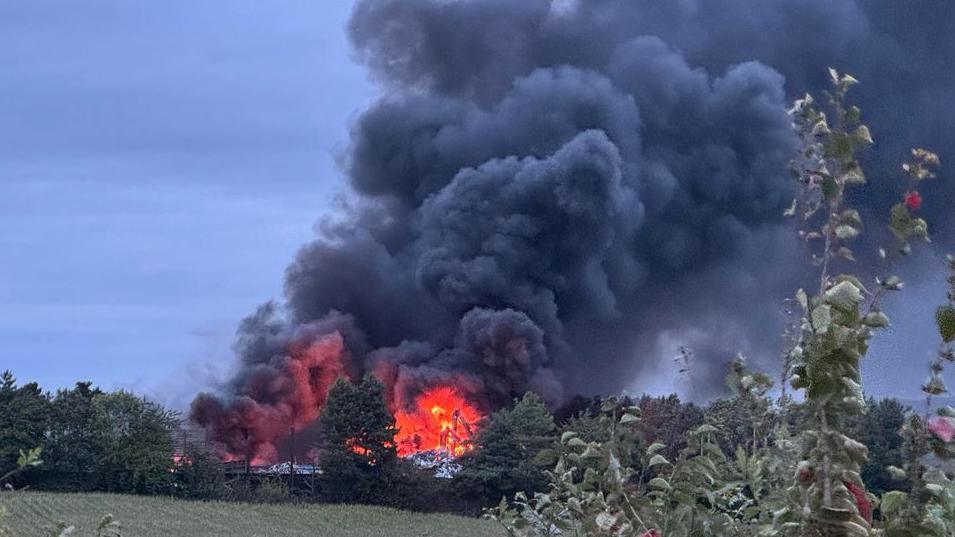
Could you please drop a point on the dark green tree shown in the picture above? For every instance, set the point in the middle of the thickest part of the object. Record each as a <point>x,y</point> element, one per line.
<point>356,446</point>
<point>114,442</point>
<point>575,407</point>
<point>70,452</point>
<point>200,474</point>
<point>509,452</point>
<point>132,438</point>
<point>879,429</point>
<point>667,420</point>
<point>747,419</point>
<point>24,411</point>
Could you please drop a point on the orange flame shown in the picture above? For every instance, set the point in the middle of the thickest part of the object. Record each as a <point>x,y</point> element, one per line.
<point>357,448</point>
<point>441,420</point>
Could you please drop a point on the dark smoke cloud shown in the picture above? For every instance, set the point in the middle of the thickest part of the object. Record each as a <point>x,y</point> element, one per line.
<point>496,354</point>
<point>548,185</point>
<point>285,373</point>
<point>474,50</point>
<point>526,233</point>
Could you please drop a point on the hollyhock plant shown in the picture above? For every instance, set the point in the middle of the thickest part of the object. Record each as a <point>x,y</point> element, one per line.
<point>942,427</point>
<point>913,200</point>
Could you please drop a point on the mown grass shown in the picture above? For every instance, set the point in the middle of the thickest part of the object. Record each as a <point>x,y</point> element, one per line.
<point>32,514</point>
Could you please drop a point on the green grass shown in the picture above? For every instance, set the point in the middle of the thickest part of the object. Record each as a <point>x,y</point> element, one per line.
<point>31,514</point>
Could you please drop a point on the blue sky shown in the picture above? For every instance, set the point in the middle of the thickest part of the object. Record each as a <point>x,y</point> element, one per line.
<point>160,163</point>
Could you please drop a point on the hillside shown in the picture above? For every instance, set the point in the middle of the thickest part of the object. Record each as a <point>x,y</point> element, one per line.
<point>33,514</point>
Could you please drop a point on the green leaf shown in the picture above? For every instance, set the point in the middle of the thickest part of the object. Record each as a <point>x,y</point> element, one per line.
<point>876,319</point>
<point>853,280</point>
<point>846,254</point>
<point>833,76</point>
<point>564,438</point>
<point>576,442</point>
<point>703,429</point>
<point>845,296</point>
<point>903,226</point>
<point>934,386</point>
<point>920,229</point>
<point>846,232</point>
<point>746,382</point>
<point>545,457</point>
<point>853,114</point>
<point>654,447</point>
<point>862,134</point>
<point>892,283</point>
<point>945,317</point>
<point>791,211</point>
<point>848,80</point>
<point>853,177</point>
<point>605,521</point>
<point>893,502</point>
<point>821,318</point>
<point>29,458</point>
<point>854,388</point>
<point>659,483</point>
<point>657,459</point>
<point>628,418</point>
<point>802,299</point>
<point>896,473</point>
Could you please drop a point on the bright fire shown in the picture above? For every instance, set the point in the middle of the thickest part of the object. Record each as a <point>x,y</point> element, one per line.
<point>356,447</point>
<point>441,420</point>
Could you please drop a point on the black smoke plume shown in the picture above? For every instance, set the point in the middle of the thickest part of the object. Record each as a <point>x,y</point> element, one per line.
<point>552,194</point>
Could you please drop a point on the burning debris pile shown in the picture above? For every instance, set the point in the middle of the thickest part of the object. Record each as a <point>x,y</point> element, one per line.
<point>441,422</point>
<point>442,465</point>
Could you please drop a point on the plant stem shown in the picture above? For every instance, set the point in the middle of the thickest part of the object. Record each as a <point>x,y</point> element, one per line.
<point>826,463</point>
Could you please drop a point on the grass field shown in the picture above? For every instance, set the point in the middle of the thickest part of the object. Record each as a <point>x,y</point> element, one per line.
<point>30,514</point>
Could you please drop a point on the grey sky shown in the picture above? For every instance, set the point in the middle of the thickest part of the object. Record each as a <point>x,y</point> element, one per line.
<point>160,162</point>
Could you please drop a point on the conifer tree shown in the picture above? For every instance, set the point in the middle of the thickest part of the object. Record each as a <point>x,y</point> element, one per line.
<point>356,446</point>
<point>23,419</point>
<point>509,448</point>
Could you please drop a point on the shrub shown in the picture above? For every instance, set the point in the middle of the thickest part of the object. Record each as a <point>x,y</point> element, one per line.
<point>271,490</point>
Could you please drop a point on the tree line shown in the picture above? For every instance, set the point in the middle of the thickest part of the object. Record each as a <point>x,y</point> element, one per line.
<point>92,440</point>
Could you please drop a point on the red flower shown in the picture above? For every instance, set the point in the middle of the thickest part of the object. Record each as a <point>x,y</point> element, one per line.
<point>804,473</point>
<point>913,200</point>
<point>942,427</point>
<point>862,501</point>
<point>652,533</point>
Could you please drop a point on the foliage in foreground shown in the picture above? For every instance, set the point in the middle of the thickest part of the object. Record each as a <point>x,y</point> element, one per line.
<point>927,508</point>
<point>619,485</point>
